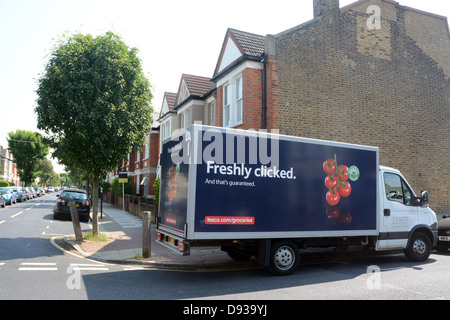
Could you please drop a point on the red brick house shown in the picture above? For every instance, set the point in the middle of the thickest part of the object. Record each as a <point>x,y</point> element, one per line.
<point>374,72</point>
<point>142,164</point>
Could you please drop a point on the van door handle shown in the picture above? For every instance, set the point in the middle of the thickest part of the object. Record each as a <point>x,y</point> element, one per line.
<point>387,212</point>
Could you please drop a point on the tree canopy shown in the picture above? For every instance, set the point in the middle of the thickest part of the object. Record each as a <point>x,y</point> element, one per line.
<point>28,149</point>
<point>94,103</point>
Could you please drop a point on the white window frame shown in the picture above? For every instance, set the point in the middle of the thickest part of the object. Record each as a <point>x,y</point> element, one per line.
<point>211,112</point>
<point>233,102</point>
<point>230,79</point>
<point>227,90</point>
<point>239,98</point>
<point>147,148</point>
<point>185,118</point>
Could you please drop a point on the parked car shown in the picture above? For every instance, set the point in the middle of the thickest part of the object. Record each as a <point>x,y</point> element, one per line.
<point>28,193</point>
<point>10,198</point>
<point>443,234</point>
<point>18,193</point>
<point>41,191</point>
<point>51,189</point>
<point>2,201</point>
<point>38,191</point>
<point>62,207</point>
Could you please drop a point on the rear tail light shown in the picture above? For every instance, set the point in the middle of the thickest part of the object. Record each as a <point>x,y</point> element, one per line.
<point>60,201</point>
<point>181,246</point>
<point>86,203</point>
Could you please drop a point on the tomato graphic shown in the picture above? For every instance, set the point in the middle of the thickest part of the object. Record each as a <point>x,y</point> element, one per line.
<point>345,217</point>
<point>329,166</point>
<point>345,189</point>
<point>343,172</point>
<point>333,212</point>
<point>333,198</point>
<point>331,182</point>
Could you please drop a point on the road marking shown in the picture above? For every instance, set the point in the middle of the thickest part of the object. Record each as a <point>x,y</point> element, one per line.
<point>27,209</point>
<point>37,269</point>
<point>1,264</point>
<point>2,221</point>
<point>38,266</point>
<point>15,215</point>
<point>91,267</point>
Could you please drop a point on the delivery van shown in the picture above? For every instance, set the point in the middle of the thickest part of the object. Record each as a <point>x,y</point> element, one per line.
<point>269,196</point>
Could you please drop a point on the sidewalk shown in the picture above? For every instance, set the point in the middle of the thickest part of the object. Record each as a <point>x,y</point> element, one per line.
<point>125,246</point>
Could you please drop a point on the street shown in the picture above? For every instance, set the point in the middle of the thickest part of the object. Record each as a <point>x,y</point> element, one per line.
<point>34,265</point>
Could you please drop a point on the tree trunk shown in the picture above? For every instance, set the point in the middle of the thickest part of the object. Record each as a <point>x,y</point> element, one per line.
<point>95,230</point>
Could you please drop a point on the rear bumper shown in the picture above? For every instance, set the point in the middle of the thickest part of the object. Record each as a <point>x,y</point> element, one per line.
<point>64,211</point>
<point>174,243</point>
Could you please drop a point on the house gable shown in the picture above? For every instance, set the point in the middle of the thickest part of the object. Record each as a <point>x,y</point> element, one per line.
<point>237,47</point>
<point>168,104</point>
<point>231,53</point>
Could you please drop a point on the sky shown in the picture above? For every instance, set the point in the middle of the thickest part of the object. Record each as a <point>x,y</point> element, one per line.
<point>172,36</point>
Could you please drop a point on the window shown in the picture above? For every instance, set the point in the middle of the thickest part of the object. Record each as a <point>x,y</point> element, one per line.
<point>232,102</point>
<point>211,113</point>
<point>166,130</point>
<point>147,148</point>
<point>397,190</point>
<point>239,99</point>
<point>226,105</point>
<point>185,119</point>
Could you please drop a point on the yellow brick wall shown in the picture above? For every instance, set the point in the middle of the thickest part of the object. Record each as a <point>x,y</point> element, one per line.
<point>337,81</point>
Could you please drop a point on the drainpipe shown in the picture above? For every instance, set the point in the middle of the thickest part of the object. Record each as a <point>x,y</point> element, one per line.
<point>264,93</point>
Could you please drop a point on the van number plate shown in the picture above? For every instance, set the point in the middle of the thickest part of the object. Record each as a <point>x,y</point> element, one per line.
<point>444,238</point>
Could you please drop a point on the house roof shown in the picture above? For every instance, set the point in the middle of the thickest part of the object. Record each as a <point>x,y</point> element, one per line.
<point>250,43</point>
<point>168,98</point>
<point>244,46</point>
<point>197,86</point>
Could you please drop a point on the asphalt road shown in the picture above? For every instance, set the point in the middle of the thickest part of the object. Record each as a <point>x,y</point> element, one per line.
<point>34,266</point>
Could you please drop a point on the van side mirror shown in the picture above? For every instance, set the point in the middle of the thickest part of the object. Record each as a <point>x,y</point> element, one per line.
<point>424,199</point>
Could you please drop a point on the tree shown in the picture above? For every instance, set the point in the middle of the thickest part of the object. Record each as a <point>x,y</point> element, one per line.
<point>28,149</point>
<point>45,171</point>
<point>94,104</point>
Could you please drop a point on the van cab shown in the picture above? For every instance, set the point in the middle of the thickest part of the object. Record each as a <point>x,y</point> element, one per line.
<point>407,221</point>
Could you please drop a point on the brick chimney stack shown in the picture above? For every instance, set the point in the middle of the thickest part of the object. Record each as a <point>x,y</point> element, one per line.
<point>326,8</point>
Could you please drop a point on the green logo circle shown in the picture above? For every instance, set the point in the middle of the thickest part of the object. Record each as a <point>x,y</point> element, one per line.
<point>353,173</point>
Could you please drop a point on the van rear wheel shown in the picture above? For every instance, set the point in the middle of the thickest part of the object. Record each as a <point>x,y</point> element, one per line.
<point>284,257</point>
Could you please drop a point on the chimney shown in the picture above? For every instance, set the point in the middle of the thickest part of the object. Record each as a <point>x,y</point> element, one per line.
<point>328,8</point>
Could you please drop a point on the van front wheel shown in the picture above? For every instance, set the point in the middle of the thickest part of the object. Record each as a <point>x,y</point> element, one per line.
<point>419,247</point>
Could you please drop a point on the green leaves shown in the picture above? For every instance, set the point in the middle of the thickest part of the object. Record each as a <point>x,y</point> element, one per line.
<point>28,148</point>
<point>94,102</point>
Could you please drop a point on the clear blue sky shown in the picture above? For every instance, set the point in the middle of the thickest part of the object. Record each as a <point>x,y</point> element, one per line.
<point>173,37</point>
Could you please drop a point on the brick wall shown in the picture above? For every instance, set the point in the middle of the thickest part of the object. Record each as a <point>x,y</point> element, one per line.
<point>336,80</point>
<point>252,98</point>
